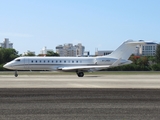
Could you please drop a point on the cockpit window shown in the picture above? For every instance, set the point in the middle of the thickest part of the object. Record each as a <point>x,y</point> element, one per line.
<point>17,60</point>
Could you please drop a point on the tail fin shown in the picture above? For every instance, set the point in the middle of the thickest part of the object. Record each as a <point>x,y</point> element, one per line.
<point>125,50</point>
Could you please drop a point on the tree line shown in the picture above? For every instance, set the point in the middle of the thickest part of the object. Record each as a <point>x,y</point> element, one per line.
<point>140,63</point>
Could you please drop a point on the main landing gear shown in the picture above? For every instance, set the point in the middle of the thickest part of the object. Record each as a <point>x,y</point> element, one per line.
<point>16,74</point>
<point>80,74</point>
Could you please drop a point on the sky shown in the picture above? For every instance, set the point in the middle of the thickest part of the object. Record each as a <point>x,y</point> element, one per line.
<point>97,24</point>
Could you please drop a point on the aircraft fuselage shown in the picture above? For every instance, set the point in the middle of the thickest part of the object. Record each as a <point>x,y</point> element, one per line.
<point>55,63</point>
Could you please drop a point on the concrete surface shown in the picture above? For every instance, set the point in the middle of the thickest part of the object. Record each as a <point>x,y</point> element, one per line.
<point>72,81</point>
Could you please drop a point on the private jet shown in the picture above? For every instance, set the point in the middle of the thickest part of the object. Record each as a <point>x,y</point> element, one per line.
<point>77,64</point>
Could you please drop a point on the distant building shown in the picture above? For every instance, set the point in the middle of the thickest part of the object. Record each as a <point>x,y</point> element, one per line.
<point>6,44</point>
<point>86,53</point>
<point>148,49</point>
<point>70,50</point>
<point>102,53</point>
<point>79,49</point>
<point>45,50</point>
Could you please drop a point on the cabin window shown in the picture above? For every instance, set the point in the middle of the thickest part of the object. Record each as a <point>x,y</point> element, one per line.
<point>32,61</point>
<point>64,61</point>
<point>36,61</point>
<point>56,61</point>
<point>77,61</point>
<point>40,61</point>
<point>48,61</point>
<point>44,61</point>
<point>72,61</point>
<point>52,61</point>
<point>60,61</point>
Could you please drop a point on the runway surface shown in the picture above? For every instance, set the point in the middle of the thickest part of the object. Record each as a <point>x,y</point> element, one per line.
<point>67,97</point>
<point>72,81</point>
<point>79,104</point>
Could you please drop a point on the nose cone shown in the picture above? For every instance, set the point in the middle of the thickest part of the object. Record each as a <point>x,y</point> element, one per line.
<point>7,66</point>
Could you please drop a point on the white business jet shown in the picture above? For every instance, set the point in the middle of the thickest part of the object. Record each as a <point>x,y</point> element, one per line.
<point>78,64</point>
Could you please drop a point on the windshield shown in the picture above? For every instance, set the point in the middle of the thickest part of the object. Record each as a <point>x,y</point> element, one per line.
<point>17,60</point>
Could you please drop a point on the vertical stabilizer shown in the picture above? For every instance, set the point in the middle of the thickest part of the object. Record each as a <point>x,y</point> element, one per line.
<point>125,50</point>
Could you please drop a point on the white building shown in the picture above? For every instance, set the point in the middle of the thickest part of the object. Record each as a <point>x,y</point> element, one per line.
<point>6,44</point>
<point>44,50</point>
<point>86,53</point>
<point>80,49</point>
<point>103,52</point>
<point>70,50</point>
<point>148,49</point>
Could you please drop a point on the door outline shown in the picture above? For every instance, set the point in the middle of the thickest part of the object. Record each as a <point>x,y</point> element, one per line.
<point>26,64</point>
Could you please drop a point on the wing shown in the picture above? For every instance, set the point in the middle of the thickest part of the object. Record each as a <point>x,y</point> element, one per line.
<point>83,67</point>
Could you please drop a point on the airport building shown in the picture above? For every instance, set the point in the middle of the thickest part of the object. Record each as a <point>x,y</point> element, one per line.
<point>6,44</point>
<point>148,49</point>
<point>67,50</point>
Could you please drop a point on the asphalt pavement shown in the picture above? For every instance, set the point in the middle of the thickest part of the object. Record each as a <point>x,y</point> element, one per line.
<point>79,104</point>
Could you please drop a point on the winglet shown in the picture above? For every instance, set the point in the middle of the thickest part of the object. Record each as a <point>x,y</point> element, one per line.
<point>116,63</point>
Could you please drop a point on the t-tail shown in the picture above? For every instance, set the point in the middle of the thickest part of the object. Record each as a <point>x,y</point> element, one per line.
<point>125,50</point>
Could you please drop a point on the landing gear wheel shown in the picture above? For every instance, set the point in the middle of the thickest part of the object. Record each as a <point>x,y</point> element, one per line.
<point>16,74</point>
<point>80,74</point>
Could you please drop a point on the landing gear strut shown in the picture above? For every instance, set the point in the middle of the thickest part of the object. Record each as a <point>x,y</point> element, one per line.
<point>80,74</point>
<point>16,74</point>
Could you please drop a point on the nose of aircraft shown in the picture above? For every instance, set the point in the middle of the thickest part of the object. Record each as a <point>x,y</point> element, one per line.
<point>8,66</point>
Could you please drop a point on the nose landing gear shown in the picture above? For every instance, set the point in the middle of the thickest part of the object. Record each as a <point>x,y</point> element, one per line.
<point>16,74</point>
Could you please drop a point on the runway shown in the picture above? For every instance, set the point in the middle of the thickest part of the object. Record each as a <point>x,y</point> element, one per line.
<point>67,97</point>
<point>72,81</point>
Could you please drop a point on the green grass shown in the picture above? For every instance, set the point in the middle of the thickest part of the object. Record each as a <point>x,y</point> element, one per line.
<point>86,73</point>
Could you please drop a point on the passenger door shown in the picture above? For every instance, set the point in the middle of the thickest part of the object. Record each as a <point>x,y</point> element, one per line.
<point>26,64</point>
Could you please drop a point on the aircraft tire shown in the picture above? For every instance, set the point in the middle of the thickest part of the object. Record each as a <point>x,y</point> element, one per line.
<point>80,74</point>
<point>16,74</point>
